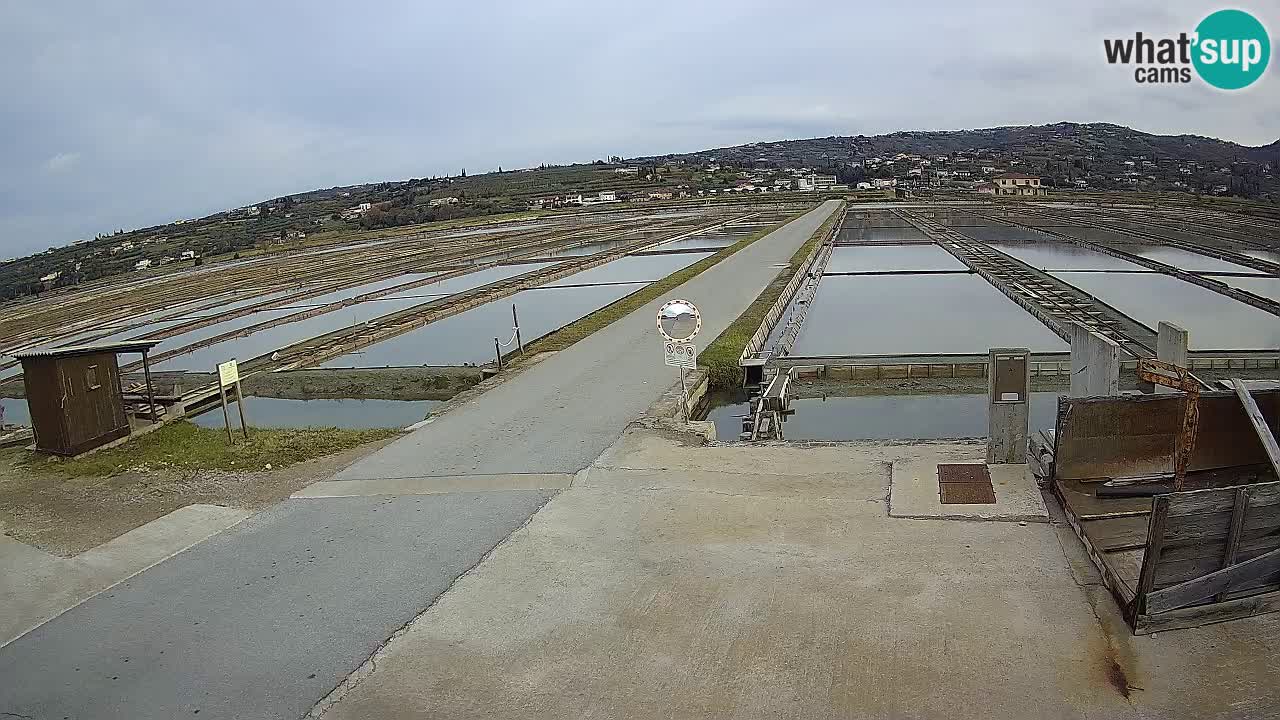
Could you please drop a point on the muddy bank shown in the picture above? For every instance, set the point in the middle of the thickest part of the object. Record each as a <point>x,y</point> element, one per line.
<point>436,383</point>
<point>964,385</point>
<point>913,386</point>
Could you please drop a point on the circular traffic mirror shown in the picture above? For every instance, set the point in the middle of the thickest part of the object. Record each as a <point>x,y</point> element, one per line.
<point>679,320</point>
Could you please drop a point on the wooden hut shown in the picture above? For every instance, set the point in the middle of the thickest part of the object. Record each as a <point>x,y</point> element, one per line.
<point>75,395</point>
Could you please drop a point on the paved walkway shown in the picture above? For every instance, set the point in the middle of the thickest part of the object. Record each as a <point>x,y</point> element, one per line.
<point>771,582</point>
<point>265,619</point>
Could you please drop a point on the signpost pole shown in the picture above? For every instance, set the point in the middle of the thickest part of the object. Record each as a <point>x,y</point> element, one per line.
<point>684,396</point>
<point>244,424</point>
<point>226,417</point>
<point>228,377</point>
<point>515,320</point>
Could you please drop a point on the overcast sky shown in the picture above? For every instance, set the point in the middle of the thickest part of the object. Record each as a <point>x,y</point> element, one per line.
<point>124,114</point>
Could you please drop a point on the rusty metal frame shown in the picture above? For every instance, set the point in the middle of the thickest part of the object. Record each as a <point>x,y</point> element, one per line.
<point>1167,374</point>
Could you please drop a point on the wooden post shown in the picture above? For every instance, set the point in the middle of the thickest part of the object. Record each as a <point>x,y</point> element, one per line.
<point>151,395</point>
<point>515,320</point>
<point>226,417</point>
<point>244,424</point>
<point>497,350</point>
<point>1260,427</point>
<point>1151,558</point>
<point>1239,507</point>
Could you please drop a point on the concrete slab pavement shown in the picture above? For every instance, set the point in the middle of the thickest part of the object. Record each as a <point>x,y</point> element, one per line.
<point>770,582</point>
<point>914,490</point>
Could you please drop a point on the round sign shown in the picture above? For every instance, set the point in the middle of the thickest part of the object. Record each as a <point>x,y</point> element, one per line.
<point>679,320</point>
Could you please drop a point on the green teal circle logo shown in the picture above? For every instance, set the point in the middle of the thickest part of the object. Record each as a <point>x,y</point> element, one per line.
<point>1232,49</point>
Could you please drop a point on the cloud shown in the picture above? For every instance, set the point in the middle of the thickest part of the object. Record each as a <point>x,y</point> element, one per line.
<point>61,162</point>
<point>139,112</point>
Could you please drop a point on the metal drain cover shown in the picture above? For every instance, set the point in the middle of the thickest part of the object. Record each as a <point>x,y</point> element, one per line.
<point>965,484</point>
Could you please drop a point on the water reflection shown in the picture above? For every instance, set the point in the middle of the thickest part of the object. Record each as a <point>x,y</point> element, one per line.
<point>15,411</point>
<point>849,234</point>
<point>1214,321</point>
<point>881,417</point>
<point>866,258</point>
<point>468,337</point>
<point>1061,255</point>
<point>903,314</point>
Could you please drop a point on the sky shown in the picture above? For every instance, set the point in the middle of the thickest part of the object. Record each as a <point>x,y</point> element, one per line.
<point>129,114</point>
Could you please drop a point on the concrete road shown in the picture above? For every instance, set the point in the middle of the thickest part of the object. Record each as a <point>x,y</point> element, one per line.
<point>260,621</point>
<point>266,619</point>
<point>560,414</point>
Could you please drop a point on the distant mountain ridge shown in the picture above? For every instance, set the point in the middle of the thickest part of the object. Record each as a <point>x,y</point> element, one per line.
<point>1103,141</point>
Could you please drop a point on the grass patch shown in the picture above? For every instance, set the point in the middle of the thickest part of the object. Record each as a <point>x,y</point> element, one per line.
<point>720,358</point>
<point>184,446</point>
<point>620,308</point>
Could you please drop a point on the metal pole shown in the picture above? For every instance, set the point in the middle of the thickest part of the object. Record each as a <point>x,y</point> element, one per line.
<point>516,321</point>
<point>226,417</point>
<point>151,396</point>
<point>244,424</point>
<point>497,350</point>
<point>684,396</point>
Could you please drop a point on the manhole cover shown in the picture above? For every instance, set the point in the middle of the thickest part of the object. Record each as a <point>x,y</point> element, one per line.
<point>965,484</point>
<point>964,473</point>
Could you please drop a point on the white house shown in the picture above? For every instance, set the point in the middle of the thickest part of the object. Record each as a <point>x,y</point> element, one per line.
<point>1018,184</point>
<point>142,265</point>
<point>187,255</point>
<point>823,182</point>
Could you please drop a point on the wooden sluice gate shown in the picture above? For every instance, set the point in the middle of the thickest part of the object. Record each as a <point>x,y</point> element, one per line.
<point>769,409</point>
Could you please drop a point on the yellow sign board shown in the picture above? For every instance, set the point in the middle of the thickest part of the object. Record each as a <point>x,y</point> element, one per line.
<point>228,373</point>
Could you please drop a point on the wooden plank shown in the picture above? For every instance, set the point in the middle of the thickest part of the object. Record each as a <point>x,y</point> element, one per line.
<point>1216,526</point>
<point>1207,614</point>
<point>1127,564</point>
<point>1121,533</point>
<point>1259,422</point>
<point>1175,572</point>
<point>1212,500</point>
<point>1155,544</point>
<point>1122,592</point>
<point>1190,591</point>
<point>1232,545</point>
<point>1080,497</point>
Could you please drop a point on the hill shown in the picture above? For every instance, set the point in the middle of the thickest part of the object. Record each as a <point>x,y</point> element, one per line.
<point>1063,153</point>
